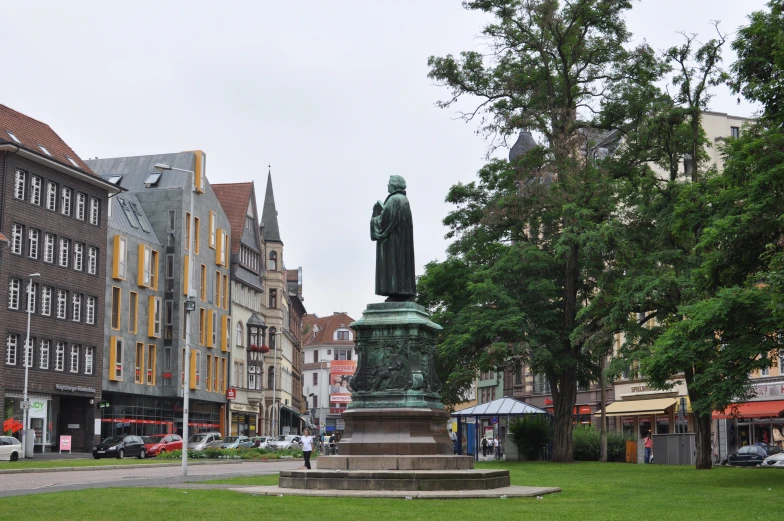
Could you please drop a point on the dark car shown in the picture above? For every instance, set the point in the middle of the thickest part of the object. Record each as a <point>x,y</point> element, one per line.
<point>120,447</point>
<point>159,443</point>
<point>751,455</point>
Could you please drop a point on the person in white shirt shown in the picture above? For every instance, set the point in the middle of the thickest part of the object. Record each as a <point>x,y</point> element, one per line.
<point>307,446</point>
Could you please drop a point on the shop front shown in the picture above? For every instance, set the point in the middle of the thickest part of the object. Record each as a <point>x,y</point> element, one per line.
<point>760,420</point>
<point>147,415</point>
<point>243,423</point>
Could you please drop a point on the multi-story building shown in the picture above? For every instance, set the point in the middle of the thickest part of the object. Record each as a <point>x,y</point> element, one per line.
<point>247,294</point>
<point>282,415</point>
<point>53,212</point>
<point>296,310</point>
<point>329,343</point>
<point>144,370</point>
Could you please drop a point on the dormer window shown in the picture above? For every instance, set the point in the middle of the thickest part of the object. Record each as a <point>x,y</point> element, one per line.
<point>45,151</point>
<point>115,179</point>
<point>12,136</point>
<point>152,180</point>
<point>343,334</point>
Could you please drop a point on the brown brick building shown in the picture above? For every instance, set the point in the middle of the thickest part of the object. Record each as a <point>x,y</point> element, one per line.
<point>53,212</point>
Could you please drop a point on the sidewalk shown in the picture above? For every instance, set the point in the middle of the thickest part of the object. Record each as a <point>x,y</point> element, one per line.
<point>53,456</point>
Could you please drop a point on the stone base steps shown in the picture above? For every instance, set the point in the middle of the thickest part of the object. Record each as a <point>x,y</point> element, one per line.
<point>395,462</point>
<point>411,480</point>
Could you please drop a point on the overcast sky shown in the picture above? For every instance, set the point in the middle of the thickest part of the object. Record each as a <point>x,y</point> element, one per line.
<point>334,95</point>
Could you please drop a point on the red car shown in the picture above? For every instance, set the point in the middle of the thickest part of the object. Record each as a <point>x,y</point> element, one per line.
<point>162,443</point>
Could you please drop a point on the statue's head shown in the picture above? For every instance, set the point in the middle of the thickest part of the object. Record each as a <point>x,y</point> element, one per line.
<point>396,182</point>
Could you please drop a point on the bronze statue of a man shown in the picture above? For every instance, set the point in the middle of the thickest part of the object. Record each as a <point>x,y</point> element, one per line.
<point>393,230</point>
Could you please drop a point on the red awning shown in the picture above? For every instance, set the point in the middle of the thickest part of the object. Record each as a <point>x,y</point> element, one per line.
<point>753,409</point>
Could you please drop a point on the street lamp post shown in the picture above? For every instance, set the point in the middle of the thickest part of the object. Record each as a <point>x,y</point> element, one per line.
<point>189,306</point>
<point>26,406</point>
<point>275,404</point>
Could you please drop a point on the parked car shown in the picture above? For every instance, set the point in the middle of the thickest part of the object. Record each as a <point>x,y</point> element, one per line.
<point>289,441</point>
<point>205,440</point>
<point>119,447</point>
<point>775,460</point>
<point>159,443</point>
<point>751,455</point>
<point>233,442</point>
<point>10,448</point>
<point>260,442</point>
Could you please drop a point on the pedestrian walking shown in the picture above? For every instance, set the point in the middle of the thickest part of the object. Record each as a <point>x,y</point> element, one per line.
<point>484,447</point>
<point>307,446</point>
<point>648,448</point>
<point>497,445</point>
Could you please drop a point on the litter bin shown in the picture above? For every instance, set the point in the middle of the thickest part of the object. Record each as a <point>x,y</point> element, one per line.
<point>631,451</point>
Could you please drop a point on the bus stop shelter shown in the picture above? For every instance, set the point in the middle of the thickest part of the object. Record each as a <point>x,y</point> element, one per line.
<point>498,411</point>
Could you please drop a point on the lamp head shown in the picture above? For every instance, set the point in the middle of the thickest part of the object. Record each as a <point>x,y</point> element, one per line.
<point>162,166</point>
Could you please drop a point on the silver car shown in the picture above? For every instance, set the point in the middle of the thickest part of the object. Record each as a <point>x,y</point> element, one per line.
<point>289,441</point>
<point>234,442</point>
<point>205,440</point>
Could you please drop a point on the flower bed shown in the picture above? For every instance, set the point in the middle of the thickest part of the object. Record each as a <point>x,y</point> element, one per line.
<point>245,454</point>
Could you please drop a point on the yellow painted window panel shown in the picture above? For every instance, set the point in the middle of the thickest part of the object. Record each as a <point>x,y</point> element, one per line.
<point>224,336</point>
<point>219,247</point>
<point>196,235</point>
<point>209,373</point>
<point>140,268</point>
<point>209,334</point>
<point>116,258</point>
<point>199,171</point>
<point>151,364</point>
<point>202,320</point>
<point>151,316</point>
<point>212,229</point>
<point>185,274</point>
<point>113,359</point>
<point>203,283</point>
<point>193,370</point>
<point>225,292</point>
<point>154,270</point>
<point>217,288</point>
<point>223,375</point>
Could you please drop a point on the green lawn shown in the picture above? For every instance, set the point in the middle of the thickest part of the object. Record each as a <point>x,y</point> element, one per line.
<point>615,491</point>
<point>53,464</point>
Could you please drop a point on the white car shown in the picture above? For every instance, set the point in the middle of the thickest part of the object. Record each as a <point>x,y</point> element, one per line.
<point>10,448</point>
<point>777,460</point>
<point>284,442</point>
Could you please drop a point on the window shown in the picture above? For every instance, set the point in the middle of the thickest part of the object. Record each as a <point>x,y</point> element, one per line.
<point>73,365</point>
<point>76,314</point>
<point>273,298</point>
<point>32,293</point>
<point>196,383</point>
<point>20,184</point>
<point>225,292</point>
<point>168,317</point>
<point>92,260</point>
<point>203,287</point>
<point>202,325</point>
<point>95,211</point>
<point>14,288</point>
<point>44,150</point>
<point>271,377</point>
<point>132,220</point>
<point>343,334</point>
<point>167,365</point>
<point>152,179</point>
<point>169,272</point>
<point>62,303</point>
<point>239,375</point>
<point>139,363</point>
<point>735,132</point>
<point>120,257</point>
<point>217,288</point>
<point>239,334</point>
<point>133,312</point>
<point>89,314</point>
<point>11,343</point>
<point>187,230</point>
<point>78,263</point>
<point>541,384</point>
<point>273,261</point>
<point>12,136</point>
<point>116,307</point>
<point>49,248</point>
<point>219,247</point>
<point>36,183</point>
<point>28,352</point>
<point>43,354</point>
<point>154,326</point>
<point>17,230</point>
<point>215,328</point>
<point>65,250</point>
<point>46,300</point>
<point>89,356</point>
<point>315,378</point>
<point>81,205</point>
<point>272,337</point>
<point>116,358</point>
<point>343,354</point>
<point>65,201</point>
<point>59,357</point>
<point>254,377</point>
<point>315,356</point>
<point>196,234</point>
<point>151,364</point>
<point>223,375</point>
<point>209,374</point>
<point>51,196</point>
<point>212,229</point>
<point>32,243</point>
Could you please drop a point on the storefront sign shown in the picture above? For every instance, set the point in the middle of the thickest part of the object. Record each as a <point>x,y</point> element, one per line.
<point>65,443</point>
<point>231,393</point>
<point>74,388</point>
<point>640,389</point>
<point>336,410</point>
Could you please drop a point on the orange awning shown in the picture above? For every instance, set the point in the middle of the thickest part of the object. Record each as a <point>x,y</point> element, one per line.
<point>753,409</point>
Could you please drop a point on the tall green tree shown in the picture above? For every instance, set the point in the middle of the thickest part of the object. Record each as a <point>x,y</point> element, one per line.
<point>529,236</point>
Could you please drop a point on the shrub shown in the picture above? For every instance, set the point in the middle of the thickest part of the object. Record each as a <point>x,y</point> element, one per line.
<point>177,454</point>
<point>586,444</point>
<point>531,434</point>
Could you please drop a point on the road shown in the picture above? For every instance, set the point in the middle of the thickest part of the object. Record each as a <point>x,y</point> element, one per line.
<point>139,476</point>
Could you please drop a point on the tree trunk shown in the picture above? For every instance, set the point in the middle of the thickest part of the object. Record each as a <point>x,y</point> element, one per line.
<point>564,399</point>
<point>603,428</point>
<point>702,430</point>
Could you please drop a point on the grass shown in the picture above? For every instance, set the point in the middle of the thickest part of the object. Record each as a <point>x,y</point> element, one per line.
<point>614,491</point>
<point>53,464</point>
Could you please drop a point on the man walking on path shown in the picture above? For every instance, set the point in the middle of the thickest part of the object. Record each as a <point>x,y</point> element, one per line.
<point>484,447</point>
<point>497,444</point>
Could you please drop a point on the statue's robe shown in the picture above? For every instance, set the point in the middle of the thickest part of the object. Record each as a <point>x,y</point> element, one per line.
<point>393,231</point>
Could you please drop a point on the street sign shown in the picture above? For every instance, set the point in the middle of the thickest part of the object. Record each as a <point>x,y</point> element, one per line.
<point>494,420</point>
<point>24,404</point>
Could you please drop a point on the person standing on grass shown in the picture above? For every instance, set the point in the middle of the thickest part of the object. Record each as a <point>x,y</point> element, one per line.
<point>648,448</point>
<point>307,446</point>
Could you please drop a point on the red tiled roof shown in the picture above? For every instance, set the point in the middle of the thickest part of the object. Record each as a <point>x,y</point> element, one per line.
<point>292,275</point>
<point>234,198</point>
<point>32,133</point>
<point>326,328</point>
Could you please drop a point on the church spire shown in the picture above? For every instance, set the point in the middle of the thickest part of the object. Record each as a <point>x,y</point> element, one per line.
<point>269,214</point>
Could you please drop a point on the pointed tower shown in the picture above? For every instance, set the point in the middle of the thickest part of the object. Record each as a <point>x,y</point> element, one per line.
<point>269,215</point>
